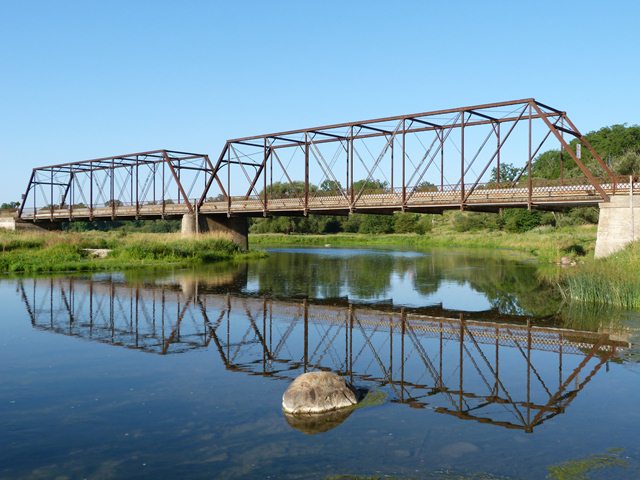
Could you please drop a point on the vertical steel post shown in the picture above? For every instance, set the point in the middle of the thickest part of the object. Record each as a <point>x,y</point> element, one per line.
<point>561,152</point>
<point>229,181</point>
<point>393,141</point>
<point>164,201</point>
<point>306,173</point>
<point>137,187</point>
<point>529,179</point>
<point>112,187</point>
<point>264,177</point>
<point>352,161</point>
<point>51,198</point>
<point>441,136</point>
<point>498,154</point>
<point>91,194</point>
<point>404,172</point>
<point>462,161</point>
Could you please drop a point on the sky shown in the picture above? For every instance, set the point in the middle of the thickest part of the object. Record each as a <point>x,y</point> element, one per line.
<point>86,79</point>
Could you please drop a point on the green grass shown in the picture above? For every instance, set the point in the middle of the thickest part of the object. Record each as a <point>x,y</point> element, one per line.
<point>545,244</point>
<point>65,252</point>
<point>613,281</point>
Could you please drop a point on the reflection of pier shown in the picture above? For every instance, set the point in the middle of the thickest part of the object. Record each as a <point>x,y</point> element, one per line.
<point>512,375</point>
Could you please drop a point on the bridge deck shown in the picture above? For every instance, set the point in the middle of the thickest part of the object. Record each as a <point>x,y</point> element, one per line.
<point>486,198</point>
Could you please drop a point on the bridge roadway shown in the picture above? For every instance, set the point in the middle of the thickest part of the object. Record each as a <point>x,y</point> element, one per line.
<point>484,198</point>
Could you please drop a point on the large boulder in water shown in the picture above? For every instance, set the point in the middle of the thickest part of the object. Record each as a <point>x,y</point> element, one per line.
<point>318,392</point>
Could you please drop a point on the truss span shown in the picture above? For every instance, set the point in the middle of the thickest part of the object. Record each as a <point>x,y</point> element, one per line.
<point>423,162</point>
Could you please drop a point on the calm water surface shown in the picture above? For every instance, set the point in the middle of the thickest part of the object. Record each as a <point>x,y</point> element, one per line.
<point>473,368</point>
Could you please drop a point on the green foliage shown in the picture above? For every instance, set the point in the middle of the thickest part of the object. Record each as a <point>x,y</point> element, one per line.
<point>407,223</point>
<point>56,252</point>
<point>287,189</point>
<point>508,173</point>
<point>370,186</point>
<point>9,205</point>
<point>609,281</point>
<point>521,220</point>
<point>469,221</point>
<point>629,162</point>
<point>617,145</point>
<point>373,224</point>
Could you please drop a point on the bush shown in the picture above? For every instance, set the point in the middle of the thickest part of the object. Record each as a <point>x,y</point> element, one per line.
<point>376,224</point>
<point>406,222</point>
<point>469,221</point>
<point>519,220</point>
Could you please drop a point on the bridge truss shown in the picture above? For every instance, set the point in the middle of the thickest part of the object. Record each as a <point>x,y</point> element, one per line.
<point>423,162</point>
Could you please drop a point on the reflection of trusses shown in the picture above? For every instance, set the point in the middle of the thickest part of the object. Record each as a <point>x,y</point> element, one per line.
<point>451,365</point>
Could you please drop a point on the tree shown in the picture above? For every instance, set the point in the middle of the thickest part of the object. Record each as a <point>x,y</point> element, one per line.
<point>370,186</point>
<point>629,162</point>
<point>330,186</point>
<point>9,206</point>
<point>508,173</point>
<point>404,222</point>
<point>376,224</point>
<point>613,145</point>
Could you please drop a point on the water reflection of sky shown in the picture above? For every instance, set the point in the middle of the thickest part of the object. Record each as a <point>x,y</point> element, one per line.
<point>450,294</point>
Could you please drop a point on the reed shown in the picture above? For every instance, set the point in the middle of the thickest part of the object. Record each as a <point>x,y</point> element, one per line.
<point>613,281</point>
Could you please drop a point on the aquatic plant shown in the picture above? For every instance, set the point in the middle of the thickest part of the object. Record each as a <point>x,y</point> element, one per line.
<point>579,468</point>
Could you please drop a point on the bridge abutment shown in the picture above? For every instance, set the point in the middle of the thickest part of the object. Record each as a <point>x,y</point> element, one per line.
<point>618,225</point>
<point>237,228</point>
<point>11,223</point>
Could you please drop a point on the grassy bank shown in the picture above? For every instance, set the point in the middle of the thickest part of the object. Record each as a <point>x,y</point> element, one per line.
<point>614,280</point>
<point>68,252</point>
<point>546,244</point>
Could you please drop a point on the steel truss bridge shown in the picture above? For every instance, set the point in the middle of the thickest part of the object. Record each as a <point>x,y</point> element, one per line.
<point>425,162</point>
<point>452,366</point>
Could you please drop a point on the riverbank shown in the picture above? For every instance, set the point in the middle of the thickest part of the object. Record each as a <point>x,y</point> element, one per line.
<point>547,245</point>
<point>36,252</point>
<point>612,281</point>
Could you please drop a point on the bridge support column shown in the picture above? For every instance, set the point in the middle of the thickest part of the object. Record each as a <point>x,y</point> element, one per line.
<point>618,225</point>
<point>237,228</point>
<point>11,223</point>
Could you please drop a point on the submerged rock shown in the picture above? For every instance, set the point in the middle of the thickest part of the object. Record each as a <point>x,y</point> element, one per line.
<point>312,424</point>
<point>318,392</point>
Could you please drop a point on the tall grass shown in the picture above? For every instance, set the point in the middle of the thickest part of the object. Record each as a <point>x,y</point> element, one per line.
<point>546,245</point>
<point>56,252</point>
<point>611,281</point>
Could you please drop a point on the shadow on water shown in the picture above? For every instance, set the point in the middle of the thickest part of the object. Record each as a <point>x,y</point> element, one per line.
<point>294,313</point>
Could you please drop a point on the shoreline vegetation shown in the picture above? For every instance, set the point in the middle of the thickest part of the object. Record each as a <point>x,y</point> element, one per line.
<point>49,252</point>
<point>613,281</point>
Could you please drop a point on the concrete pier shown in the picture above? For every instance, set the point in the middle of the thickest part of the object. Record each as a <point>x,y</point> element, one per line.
<point>237,228</point>
<point>11,223</point>
<point>619,224</point>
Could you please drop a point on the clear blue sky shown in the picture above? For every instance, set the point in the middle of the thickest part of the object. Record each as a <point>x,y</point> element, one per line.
<point>93,78</point>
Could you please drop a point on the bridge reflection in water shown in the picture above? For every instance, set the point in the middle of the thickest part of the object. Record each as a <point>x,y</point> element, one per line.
<point>507,374</point>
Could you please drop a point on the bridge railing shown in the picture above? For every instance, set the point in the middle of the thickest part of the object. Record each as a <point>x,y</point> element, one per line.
<point>562,190</point>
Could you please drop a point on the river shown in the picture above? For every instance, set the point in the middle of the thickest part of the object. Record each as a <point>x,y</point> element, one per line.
<point>470,367</point>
